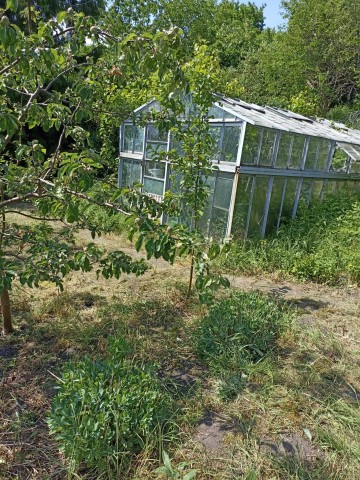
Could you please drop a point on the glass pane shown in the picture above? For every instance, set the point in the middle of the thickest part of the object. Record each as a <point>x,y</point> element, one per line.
<point>155,169</point>
<point>218,223</point>
<point>284,150</point>
<point>288,205</point>
<point>154,186</point>
<point>154,149</point>
<point>297,151</point>
<point>316,191</point>
<point>275,203</point>
<point>136,172</point>
<point>216,112</point>
<point>223,192</point>
<point>125,173</point>
<point>215,132</point>
<point>230,144</point>
<point>251,145</point>
<point>139,139</point>
<point>241,206</point>
<point>324,150</point>
<point>128,138</point>
<point>267,147</point>
<point>258,206</point>
<point>154,135</point>
<point>311,156</point>
<point>355,167</point>
<point>305,191</point>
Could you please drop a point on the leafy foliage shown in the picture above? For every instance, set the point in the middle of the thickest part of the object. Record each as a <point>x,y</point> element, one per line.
<point>320,244</point>
<point>107,411</point>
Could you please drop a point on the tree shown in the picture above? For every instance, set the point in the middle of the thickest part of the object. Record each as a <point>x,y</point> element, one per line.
<point>313,64</point>
<point>55,81</point>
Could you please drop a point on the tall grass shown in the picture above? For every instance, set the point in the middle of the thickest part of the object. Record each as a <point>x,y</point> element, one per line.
<point>321,244</point>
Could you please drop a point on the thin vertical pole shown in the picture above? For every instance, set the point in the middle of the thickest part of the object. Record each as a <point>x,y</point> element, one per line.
<point>267,205</point>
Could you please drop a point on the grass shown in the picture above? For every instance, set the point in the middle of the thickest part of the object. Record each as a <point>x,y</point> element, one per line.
<point>321,244</point>
<point>306,378</point>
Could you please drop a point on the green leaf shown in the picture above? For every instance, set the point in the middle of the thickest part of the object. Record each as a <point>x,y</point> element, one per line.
<point>12,5</point>
<point>190,475</point>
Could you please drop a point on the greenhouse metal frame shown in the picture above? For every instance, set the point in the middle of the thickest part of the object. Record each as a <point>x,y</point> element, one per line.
<point>268,161</point>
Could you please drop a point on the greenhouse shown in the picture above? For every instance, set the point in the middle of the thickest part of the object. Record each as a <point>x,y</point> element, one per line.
<point>269,161</point>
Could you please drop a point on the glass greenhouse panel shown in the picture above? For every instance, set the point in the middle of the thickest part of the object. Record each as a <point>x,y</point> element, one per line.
<point>223,191</point>
<point>251,145</point>
<point>267,147</point>
<point>312,153</point>
<point>155,169</point>
<point>153,186</point>
<point>241,208</point>
<point>284,150</point>
<point>297,151</point>
<point>215,132</point>
<point>305,192</point>
<point>275,204</point>
<point>324,151</point>
<point>288,204</point>
<point>138,139</point>
<point>128,138</point>
<point>258,206</point>
<point>230,144</point>
<point>125,172</point>
<point>317,187</point>
<point>219,222</point>
<point>154,150</point>
<point>156,135</point>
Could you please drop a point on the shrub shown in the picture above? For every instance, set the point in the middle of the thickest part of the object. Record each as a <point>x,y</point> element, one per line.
<point>240,330</point>
<point>107,411</point>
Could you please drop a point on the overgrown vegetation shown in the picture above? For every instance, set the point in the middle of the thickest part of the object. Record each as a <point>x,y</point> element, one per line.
<point>321,244</point>
<point>238,333</point>
<point>108,411</point>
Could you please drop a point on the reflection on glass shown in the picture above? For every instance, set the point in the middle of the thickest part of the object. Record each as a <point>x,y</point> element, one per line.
<point>297,151</point>
<point>267,147</point>
<point>130,172</point>
<point>258,206</point>
<point>153,186</point>
<point>230,144</point>
<point>316,190</point>
<point>223,192</point>
<point>156,135</point>
<point>218,223</point>
<point>215,132</point>
<point>324,150</point>
<point>311,155</point>
<point>125,173</point>
<point>275,204</point>
<point>155,149</point>
<point>288,205</point>
<point>251,145</point>
<point>284,150</point>
<point>155,169</point>
<point>138,139</point>
<point>128,138</point>
<point>241,208</point>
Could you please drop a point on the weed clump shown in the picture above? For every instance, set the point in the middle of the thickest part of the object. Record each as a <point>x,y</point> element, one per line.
<point>107,412</point>
<point>237,333</point>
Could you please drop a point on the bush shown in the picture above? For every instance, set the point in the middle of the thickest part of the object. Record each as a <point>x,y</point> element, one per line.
<point>105,412</point>
<point>321,244</point>
<point>239,330</point>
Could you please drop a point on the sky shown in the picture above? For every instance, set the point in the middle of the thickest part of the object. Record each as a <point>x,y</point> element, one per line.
<point>271,12</point>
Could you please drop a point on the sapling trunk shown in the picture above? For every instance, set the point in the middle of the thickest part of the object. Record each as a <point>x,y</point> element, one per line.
<point>191,276</point>
<point>6,312</point>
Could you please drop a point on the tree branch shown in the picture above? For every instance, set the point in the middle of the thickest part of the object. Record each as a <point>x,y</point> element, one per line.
<point>64,72</point>
<point>9,67</point>
<point>11,201</point>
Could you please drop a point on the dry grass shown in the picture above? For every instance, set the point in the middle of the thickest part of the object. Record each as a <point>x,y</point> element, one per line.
<point>312,383</point>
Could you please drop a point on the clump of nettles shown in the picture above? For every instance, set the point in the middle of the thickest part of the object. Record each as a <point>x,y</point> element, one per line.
<point>237,333</point>
<point>105,412</point>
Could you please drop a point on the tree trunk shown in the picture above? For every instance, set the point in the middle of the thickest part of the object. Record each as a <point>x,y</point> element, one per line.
<point>191,277</point>
<point>6,312</point>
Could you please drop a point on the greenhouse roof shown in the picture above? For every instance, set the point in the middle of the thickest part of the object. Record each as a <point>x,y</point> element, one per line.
<point>286,120</point>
